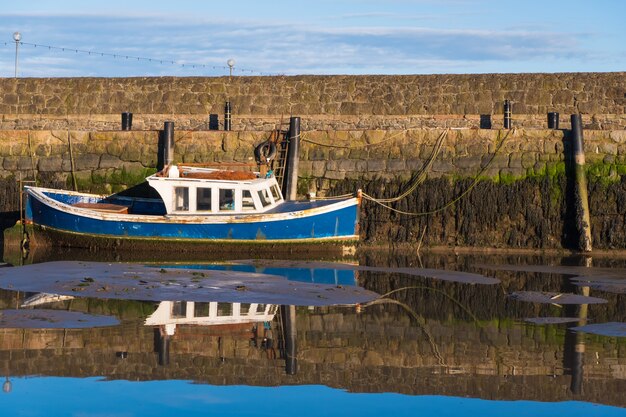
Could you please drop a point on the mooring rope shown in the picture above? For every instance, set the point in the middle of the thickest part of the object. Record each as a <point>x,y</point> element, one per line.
<point>421,321</point>
<point>381,202</point>
<point>419,178</point>
<point>421,174</point>
<point>358,146</point>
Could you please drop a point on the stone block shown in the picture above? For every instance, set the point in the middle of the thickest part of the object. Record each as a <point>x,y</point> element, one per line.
<point>318,168</point>
<point>335,175</point>
<point>109,161</point>
<point>50,164</point>
<point>528,159</point>
<point>618,136</point>
<point>88,161</point>
<point>9,163</point>
<point>471,162</point>
<point>395,165</point>
<point>25,163</point>
<point>376,165</point>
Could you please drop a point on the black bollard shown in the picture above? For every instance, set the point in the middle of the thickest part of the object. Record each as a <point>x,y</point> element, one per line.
<point>290,185</point>
<point>581,198</point>
<point>507,114</point>
<point>168,143</point>
<point>127,120</point>
<point>214,123</point>
<point>227,111</point>
<point>553,120</point>
<point>485,121</point>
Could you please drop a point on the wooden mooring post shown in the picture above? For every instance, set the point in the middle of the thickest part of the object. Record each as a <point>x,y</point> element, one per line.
<point>581,198</point>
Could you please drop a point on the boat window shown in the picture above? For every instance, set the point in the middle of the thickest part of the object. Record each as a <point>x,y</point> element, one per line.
<point>202,309</point>
<point>181,198</point>
<point>179,309</point>
<point>227,199</point>
<point>246,200</point>
<point>224,309</point>
<point>203,199</point>
<point>264,196</point>
<point>244,308</point>
<point>275,193</point>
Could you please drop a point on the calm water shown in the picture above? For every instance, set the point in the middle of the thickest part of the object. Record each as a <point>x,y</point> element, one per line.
<point>427,342</point>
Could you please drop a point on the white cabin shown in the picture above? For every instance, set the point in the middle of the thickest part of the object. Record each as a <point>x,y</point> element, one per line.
<point>173,313</point>
<point>195,190</point>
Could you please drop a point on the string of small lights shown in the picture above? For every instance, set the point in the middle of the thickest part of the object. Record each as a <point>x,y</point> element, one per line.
<point>139,58</point>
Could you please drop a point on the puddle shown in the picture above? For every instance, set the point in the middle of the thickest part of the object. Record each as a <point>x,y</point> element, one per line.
<point>555,298</point>
<point>552,320</point>
<point>556,269</point>
<point>611,329</point>
<point>602,282</point>
<point>438,274</point>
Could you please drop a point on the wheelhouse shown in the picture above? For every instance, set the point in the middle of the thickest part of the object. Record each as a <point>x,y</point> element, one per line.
<point>194,190</point>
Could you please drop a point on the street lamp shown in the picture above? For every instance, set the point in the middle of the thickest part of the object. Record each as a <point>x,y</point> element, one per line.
<point>231,64</point>
<point>17,37</point>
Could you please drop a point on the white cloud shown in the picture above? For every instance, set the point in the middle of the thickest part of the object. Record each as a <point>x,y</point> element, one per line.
<point>278,49</point>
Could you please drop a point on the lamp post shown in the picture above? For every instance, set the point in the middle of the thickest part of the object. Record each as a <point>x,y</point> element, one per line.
<point>231,64</point>
<point>17,37</point>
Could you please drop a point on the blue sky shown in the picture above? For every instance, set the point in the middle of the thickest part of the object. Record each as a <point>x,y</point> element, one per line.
<point>312,37</point>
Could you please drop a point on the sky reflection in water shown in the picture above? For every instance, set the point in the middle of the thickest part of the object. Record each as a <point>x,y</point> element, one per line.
<point>43,396</point>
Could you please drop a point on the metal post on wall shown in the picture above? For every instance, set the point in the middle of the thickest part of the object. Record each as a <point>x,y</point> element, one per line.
<point>290,189</point>
<point>227,116</point>
<point>127,120</point>
<point>507,114</point>
<point>553,120</point>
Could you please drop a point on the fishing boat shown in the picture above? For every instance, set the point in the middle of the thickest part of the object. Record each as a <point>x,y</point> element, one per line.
<point>195,204</point>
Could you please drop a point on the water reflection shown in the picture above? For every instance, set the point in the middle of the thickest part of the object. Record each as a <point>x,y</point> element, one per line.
<point>425,336</point>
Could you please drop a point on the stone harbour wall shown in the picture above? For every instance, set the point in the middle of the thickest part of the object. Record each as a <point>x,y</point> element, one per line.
<point>324,102</point>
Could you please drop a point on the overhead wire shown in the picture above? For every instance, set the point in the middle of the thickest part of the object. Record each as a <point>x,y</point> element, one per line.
<point>139,58</point>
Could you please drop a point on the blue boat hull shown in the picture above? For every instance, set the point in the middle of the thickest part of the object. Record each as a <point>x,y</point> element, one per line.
<point>327,222</point>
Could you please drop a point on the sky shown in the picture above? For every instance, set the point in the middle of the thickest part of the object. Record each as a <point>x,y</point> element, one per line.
<point>280,37</point>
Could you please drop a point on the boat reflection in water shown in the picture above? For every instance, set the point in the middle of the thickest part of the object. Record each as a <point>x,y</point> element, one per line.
<point>256,319</point>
